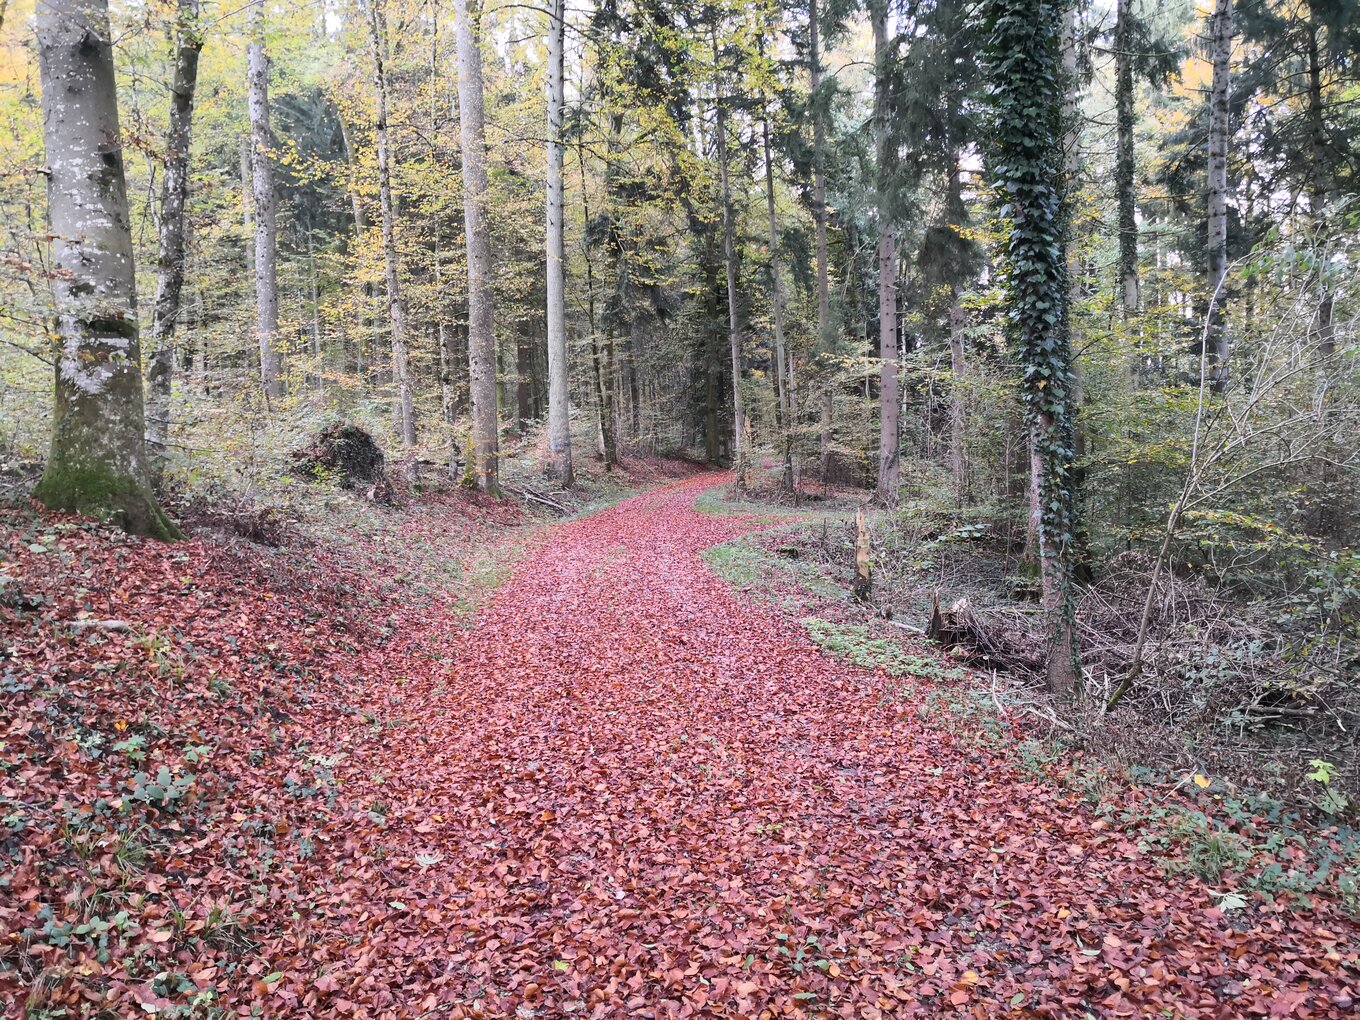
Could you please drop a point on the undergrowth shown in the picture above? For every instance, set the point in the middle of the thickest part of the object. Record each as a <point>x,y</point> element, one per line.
<point>1240,846</point>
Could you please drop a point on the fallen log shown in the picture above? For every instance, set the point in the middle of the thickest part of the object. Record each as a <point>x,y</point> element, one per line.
<point>999,639</point>
<point>529,495</point>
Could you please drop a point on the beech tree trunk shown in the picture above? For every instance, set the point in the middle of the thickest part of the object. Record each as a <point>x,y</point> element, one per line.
<point>777,300</point>
<point>1125,167</point>
<point>262,178</point>
<point>889,397</point>
<point>819,216</point>
<point>171,255</point>
<point>482,467</point>
<point>98,461</point>
<point>739,437</point>
<point>1220,50</point>
<point>396,306</point>
<point>559,408</point>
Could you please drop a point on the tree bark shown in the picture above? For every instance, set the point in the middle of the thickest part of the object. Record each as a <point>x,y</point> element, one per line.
<point>958,463</point>
<point>1125,166</point>
<point>396,306</point>
<point>889,397</point>
<point>777,300</point>
<point>1220,47</point>
<point>483,464</point>
<point>559,407</point>
<point>98,461</point>
<point>171,247</point>
<point>1026,79</point>
<point>824,340</point>
<point>739,452</point>
<point>262,177</point>
<point>1321,184</point>
<point>352,178</point>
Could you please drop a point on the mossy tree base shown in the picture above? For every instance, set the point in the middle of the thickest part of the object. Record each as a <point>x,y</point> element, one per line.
<point>106,496</point>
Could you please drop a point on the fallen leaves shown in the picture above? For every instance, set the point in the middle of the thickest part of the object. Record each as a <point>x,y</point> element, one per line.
<point>620,791</point>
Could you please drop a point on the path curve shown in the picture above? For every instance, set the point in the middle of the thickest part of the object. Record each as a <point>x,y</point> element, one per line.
<point>634,794</point>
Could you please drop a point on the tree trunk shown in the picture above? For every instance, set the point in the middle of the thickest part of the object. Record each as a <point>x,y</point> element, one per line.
<point>1125,166</point>
<point>559,408</point>
<point>262,176</point>
<point>958,464</point>
<point>739,452</point>
<point>352,177</point>
<point>1026,79</point>
<point>777,300</point>
<point>98,459</point>
<point>171,248</point>
<point>248,203</point>
<point>1220,48</point>
<point>889,397</point>
<point>396,306</point>
<point>524,411</point>
<point>482,466</point>
<point>824,340</point>
<point>1321,184</point>
<point>637,349</point>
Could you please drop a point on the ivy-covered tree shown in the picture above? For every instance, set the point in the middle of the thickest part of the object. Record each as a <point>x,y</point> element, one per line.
<point>1027,89</point>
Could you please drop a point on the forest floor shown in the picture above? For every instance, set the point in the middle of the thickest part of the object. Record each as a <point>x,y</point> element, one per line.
<point>329,783</point>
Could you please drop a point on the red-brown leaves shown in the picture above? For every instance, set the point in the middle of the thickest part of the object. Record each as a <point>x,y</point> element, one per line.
<point>621,793</point>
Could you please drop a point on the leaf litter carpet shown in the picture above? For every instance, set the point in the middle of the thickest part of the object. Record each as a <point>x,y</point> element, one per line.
<point>623,791</point>
<point>653,799</point>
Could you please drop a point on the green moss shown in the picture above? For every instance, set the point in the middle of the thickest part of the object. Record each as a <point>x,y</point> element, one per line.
<point>107,496</point>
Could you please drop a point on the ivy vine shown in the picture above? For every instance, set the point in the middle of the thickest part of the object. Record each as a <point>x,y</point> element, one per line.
<point>1027,84</point>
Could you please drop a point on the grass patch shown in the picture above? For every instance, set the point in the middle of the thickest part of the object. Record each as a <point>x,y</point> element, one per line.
<point>747,565</point>
<point>855,643</point>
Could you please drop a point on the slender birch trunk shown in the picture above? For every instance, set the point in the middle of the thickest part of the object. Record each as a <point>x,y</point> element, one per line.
<point>483,466</point>
<point>1220,49</point>
<point>171,253</point>
<point>396,306</point>
<point>97,464</point>
<point>262,177</point>
<point>559,406</point>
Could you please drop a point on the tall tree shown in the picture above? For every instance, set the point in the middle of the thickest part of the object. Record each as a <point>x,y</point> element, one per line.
<point>265,207</point>
<point>1321,182</point>
<point>739,438</point>
<point>559,405</point>
<point>171,248</point>
<point>404,411</point>
<point>889,398</point>
<point>824,339</point>
<point>1220,55</point>
<point>1305,56</point>
<point>782,364</point>
<point>1124,170</point>
<point>97,464</point>
<point>483,467</point>
<point>1028,90</point>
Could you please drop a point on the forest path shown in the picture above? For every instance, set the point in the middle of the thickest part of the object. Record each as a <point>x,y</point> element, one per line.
<point>634,794</point>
